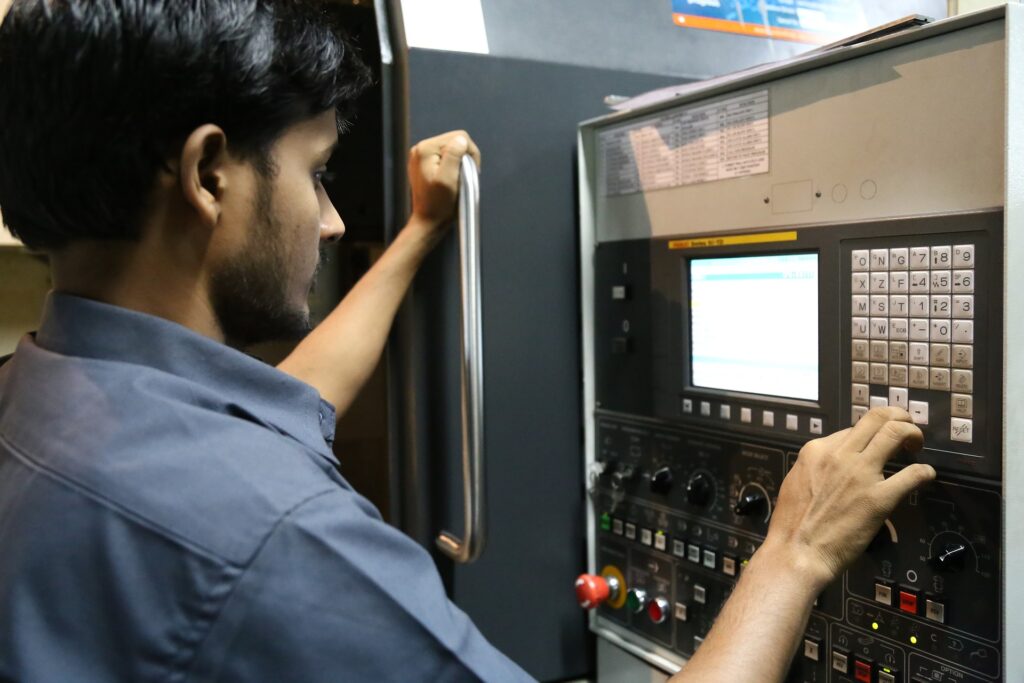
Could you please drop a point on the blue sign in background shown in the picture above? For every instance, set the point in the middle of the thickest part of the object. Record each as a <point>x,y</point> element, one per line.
<point>824,17</point>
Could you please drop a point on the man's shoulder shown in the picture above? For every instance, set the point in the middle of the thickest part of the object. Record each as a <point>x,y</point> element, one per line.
<point>167,454</point>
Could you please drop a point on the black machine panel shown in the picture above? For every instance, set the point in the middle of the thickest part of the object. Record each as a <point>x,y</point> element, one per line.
<point>907,313</point>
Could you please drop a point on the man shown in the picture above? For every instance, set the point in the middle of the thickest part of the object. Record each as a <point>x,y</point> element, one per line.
<point>169,507</point>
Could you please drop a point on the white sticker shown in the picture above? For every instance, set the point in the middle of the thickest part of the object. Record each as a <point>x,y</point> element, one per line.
<point>726,139</point>
<point>452,25</point>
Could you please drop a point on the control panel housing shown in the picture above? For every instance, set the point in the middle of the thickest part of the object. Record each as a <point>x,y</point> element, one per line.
<point>764,260</point>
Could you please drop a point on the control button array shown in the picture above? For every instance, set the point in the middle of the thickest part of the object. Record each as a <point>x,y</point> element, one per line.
<point>912,327</point>
<point>693,552</point>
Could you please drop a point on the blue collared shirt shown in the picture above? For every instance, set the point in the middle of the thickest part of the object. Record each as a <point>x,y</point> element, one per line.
<point>170,510</point>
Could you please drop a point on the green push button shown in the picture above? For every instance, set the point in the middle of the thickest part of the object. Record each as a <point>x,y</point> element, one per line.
<point>606,522</point>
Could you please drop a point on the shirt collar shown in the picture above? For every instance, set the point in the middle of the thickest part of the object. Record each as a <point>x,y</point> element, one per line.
<point>74,326</point>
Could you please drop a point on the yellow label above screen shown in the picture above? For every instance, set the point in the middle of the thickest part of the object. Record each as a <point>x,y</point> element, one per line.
<point>733,240</point>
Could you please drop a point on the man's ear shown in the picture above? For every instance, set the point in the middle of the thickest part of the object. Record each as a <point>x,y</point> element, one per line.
<point>203,172</point>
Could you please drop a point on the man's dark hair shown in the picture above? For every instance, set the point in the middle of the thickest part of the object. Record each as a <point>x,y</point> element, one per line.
<point>97,95</point>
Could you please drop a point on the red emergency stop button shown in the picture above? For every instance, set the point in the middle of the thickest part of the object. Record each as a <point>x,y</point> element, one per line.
<point>591,590</point>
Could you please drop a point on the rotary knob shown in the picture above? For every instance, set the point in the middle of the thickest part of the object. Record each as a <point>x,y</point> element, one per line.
<point>593,590</point>
<point>752,502</point>
<point>699,489</point>
<point>952,558</point>
<point>661,481</point>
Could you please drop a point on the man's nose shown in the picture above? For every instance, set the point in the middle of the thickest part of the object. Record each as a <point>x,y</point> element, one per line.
<point>331,226</point>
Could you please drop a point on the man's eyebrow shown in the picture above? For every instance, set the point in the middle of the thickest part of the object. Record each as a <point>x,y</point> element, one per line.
<point>329,152</point>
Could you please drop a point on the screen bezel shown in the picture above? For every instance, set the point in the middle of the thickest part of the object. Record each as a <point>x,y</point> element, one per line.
<point>687,336</point>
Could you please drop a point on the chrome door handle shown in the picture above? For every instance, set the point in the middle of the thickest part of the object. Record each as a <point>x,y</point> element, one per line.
<point>467,549</point>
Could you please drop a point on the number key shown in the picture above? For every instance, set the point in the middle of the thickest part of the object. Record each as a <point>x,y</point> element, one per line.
<point>919,257</point>
<point>963,306</point>
<point>919,282</point>
<point>940,306</point>
<point>963,256</point>
<point>963,281</point>
<point>941,281</point>
<point>940,331</point>
<point>942,257</point>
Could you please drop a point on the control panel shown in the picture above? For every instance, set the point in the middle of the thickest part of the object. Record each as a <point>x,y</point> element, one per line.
<point>688,466</point>
<point>764,259</point>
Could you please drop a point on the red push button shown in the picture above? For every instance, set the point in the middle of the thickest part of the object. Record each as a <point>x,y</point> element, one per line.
<point>862,671</point>
<point>591,590</point>
<point>657,610</point>
<point>908,602</point>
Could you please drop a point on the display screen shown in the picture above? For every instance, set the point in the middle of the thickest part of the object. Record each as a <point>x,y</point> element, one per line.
<point>754,324</point>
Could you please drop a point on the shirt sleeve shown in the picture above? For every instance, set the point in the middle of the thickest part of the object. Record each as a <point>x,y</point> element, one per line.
<point>336,594</point>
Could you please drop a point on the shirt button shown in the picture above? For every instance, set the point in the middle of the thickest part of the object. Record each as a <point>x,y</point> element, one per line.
<point>321,417</point>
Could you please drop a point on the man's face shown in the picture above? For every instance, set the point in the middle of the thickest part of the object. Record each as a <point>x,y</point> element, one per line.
<point>260,291</point>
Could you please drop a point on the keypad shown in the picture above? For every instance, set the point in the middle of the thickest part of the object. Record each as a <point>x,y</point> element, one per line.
<point>912,328</point>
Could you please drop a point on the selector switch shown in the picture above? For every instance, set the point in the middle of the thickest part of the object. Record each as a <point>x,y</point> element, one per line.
<point>699,489</point>
<point>661,481</point>
<point>952,558</point>
<point>752,503</point>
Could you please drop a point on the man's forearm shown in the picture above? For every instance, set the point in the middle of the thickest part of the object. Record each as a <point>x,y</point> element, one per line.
<point>760,624</point>
<point>340,354</point>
